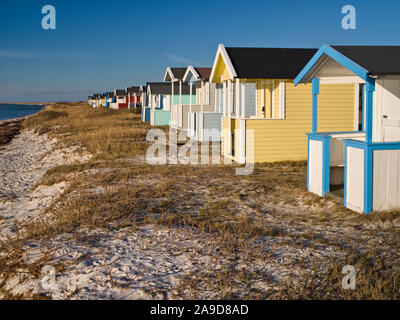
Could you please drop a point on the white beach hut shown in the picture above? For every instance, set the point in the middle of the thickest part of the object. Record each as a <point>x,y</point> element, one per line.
<point>366,162</point>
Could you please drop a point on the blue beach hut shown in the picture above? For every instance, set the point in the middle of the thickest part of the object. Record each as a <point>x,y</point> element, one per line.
<point>365,163</point>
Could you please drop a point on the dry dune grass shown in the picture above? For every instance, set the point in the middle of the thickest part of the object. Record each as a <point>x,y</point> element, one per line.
<point>109,134</point>
<point>8,129</point>
<point>244,223</point>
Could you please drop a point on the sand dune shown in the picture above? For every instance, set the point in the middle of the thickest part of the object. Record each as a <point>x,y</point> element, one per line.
<point>23,163</point>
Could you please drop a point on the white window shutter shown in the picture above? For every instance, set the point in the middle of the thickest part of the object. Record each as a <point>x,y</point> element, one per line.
<point>282,99</point>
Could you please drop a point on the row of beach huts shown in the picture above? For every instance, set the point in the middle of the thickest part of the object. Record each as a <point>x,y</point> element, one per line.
<point>336,106</point>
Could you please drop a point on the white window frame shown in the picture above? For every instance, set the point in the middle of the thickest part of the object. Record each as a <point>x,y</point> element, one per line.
<point>282,99</point>
<point>207,93</point>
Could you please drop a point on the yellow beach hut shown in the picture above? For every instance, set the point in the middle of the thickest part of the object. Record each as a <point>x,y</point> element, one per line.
<point>265,117</point>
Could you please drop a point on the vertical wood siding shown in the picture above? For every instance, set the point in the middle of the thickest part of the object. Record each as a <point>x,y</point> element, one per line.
<point>355,179</point>
<point>315,165</point>
<point>386,181</point>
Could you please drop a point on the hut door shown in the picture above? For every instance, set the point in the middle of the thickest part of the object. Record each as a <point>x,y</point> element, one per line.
<point>361,100</point>
<point>389,110</point>
<point>266,100</point>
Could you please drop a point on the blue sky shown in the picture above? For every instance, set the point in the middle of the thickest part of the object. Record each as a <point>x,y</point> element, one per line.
<point>101,45</point>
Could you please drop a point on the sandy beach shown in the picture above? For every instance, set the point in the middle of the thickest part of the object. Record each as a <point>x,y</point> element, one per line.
<point>23,162</point>
<point>25,157</point>
<point>143,257</point>
<point>113,227</point>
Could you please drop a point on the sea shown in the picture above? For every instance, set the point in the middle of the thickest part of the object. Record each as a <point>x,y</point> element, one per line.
<point>12,111</point>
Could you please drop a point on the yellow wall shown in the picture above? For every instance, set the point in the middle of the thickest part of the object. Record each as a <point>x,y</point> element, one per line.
<point>220,71</point>
<point>279,140</point>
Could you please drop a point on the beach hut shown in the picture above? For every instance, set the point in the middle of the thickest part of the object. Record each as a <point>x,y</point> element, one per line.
<point>102,102</point>
<point>265,117</point>
<point>181,101</point>
<point>363,165</point>
<point>110,98</point>
<point>97,100</point>
<point>160,99</point>
<point>94,100</point>
<point>106,104</point>
<point>121,100</point>
<point>134,97</point>
<point>90,100</point>
<point>174,74</point>
<point>145,104</point>
<point>204,122</point>
<point>180,98</point>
